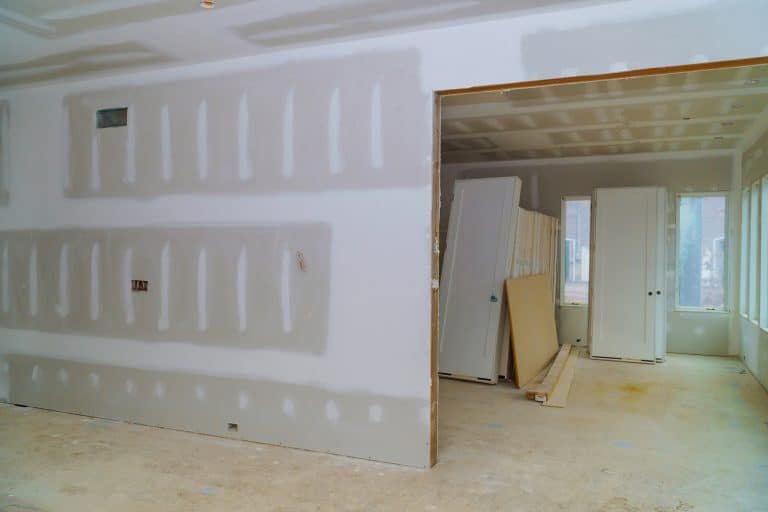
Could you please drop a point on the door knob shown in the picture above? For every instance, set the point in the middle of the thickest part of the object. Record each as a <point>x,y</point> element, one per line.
<point>658,292</point>
<point>650,294</point>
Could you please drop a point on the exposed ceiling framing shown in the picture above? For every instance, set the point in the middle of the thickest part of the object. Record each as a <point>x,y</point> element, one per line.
<point>701,110</point>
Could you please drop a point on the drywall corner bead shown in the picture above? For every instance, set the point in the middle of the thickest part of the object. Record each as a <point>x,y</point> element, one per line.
<point>258,132</point>
<point>5,149</point>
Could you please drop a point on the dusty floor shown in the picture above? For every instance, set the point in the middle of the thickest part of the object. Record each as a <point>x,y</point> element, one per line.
<point>688,435</point>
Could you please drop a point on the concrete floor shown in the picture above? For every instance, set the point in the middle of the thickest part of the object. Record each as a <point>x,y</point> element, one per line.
<point>687,435</point>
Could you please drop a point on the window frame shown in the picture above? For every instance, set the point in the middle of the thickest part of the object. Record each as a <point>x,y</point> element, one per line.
<point>744,253</point>
<point>726,254</point>
<point>763,254</point>
<point>563,226</point>
<point>754,253</point>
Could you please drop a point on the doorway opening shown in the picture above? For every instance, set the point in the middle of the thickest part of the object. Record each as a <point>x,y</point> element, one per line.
<point>675,129</point>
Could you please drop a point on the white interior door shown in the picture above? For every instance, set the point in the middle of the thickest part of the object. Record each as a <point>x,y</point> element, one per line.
<point>659,225</point>
<point>477,261</point>
<point>624,274</point>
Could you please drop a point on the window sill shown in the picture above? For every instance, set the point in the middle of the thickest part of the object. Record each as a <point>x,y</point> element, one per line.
<point>701,310</point>
<point>572,305</point>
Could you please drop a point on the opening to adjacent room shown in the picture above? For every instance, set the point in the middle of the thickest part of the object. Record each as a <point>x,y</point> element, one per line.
<point>589,223</point>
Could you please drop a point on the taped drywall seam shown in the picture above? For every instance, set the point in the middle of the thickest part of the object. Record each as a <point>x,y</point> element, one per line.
<point>163,321</point>
<point>95,272</point>
<point>130,148</point>
<point>288,132</point>
<point>202,290</point>
<point>33,280</point>
<point>334,133</point>
<point>244,164</point>
<point>126,286</point>
<point>377,158</point>
<point>165,142</point>
<point>202,140</point>
<point>242,277</point>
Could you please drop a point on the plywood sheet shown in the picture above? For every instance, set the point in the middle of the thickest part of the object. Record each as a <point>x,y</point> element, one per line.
<point>532,322</point>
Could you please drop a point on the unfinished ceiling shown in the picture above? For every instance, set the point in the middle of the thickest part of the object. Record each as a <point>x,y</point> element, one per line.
<point>691,111</point>
<point>44,40</point>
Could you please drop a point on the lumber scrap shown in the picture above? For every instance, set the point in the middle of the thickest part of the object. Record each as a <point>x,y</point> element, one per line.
<point>559,395</point>
<point>542,392</point>
<point>532,325</point>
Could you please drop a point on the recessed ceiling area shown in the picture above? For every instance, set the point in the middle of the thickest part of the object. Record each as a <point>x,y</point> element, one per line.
<point>689,111</point>
<point>35,33</point>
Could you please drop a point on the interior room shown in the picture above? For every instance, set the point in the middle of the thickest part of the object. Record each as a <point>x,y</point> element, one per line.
<point>641,176</point>
<point>384,255</point>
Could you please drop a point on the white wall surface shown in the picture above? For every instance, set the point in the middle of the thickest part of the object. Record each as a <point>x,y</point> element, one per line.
<point>366,393</point>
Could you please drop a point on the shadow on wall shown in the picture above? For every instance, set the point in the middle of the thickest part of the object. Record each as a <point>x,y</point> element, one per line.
<point>264,411</point>
<point>383,15</point>
<point>81,62</point>
<point>355,122</point>
<point>253,287</point>
<point>597,49</point>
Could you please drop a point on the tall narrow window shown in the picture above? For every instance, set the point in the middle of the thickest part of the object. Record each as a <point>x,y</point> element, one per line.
<point>744,282</point>
<point>574,275</point>
<point>764,254</point>
<point>701,256</point>
<point>754,212</point>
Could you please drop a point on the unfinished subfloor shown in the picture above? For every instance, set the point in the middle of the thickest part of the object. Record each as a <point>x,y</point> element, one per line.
<point>687,435</point>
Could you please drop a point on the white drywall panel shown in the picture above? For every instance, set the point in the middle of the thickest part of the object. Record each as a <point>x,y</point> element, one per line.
<point>365,174</point>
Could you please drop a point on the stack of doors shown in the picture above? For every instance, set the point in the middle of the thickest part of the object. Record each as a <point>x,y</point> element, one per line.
<point>478,259</point>
<point>627,300</point>
<point>490,239</point>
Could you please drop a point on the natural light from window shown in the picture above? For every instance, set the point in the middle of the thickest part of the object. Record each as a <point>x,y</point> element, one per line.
<point>701,257</point>
<point>744,284</point>
<point>764,254</point>
<point>575,250</point>
<point>754,204</point>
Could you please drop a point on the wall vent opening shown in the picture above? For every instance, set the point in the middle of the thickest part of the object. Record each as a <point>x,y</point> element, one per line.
<point>111,117</point>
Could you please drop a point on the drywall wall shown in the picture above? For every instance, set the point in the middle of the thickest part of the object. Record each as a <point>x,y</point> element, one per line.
<point>754,339</point>
<point>545,185</point>
<point>4,152</point>
<point>339,150</point>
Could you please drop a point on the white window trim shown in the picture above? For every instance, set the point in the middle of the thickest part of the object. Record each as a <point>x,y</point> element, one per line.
<point>753,292</point>
<point>745,195</point>
<point>726,277</point>
<point>762,258</point>
<point>563,226</point>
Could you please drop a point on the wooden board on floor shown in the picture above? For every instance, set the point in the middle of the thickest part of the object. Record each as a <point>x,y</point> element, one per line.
<point>532,325</point>
<point>541,392</point>
<point>559,395</point>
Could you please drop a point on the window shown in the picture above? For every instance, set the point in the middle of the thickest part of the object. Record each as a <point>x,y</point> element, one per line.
<point>701,266</point>
<point>744,284</point>
<point>764,254</point>
<point>754,205</point>
<point>574,274</point>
